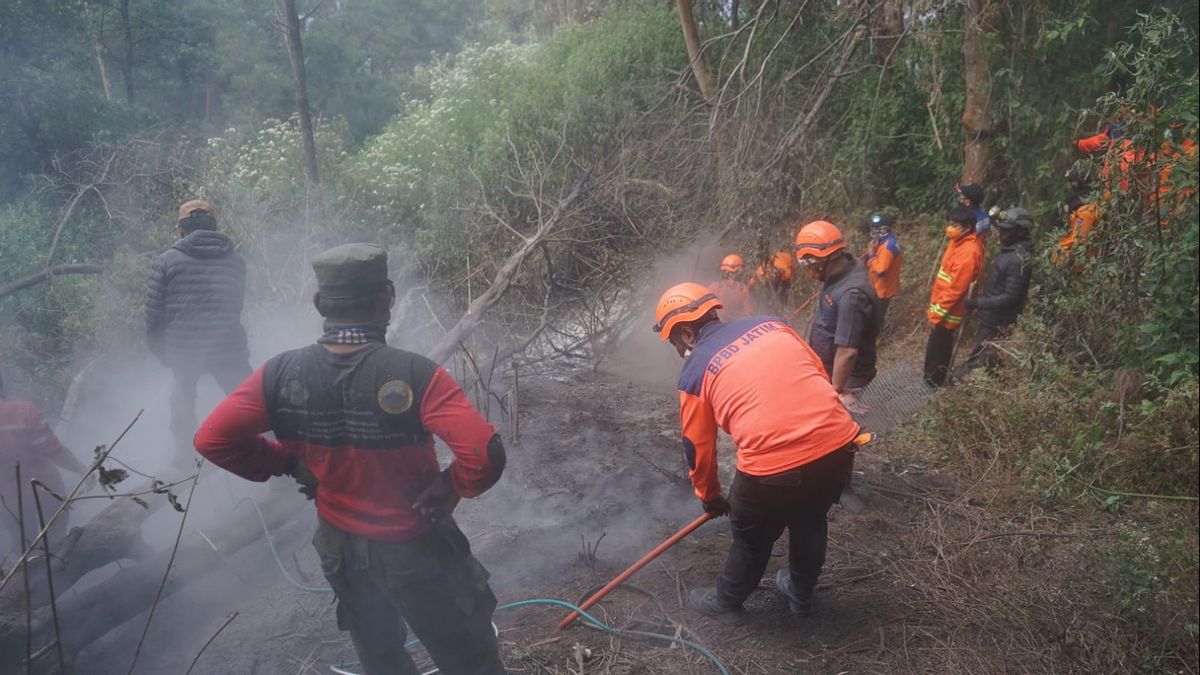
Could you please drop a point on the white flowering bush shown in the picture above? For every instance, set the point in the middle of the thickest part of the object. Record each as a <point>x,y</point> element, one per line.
<point>491,105</point>
<point>269,162</point>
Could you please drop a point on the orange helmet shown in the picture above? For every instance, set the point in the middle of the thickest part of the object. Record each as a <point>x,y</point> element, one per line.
<point>819,239</point>
<point>732,263</point>
<point>680,304</point>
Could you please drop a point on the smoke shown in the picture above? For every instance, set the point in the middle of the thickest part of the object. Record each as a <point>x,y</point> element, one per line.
<point>642,357</point>
<point>598,456</point>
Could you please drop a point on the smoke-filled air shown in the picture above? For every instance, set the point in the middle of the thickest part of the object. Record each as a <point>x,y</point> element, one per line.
<point>605,337</point>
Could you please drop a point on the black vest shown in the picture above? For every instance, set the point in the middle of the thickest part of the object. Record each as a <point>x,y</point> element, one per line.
<point>369,399</point>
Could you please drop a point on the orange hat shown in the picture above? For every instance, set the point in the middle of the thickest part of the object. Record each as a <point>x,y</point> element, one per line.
<point>186,208</point>
<point>819,239</point>
<point>682,303</point>
<point>732,263</point>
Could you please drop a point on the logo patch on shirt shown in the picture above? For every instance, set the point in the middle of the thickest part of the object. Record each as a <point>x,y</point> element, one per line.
<point>294,393</point>
<point>395,397</point>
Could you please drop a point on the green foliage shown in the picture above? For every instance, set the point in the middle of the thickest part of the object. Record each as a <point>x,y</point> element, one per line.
<point>1136,303</point>
<point>1144,568</point>
<point>491,107</point>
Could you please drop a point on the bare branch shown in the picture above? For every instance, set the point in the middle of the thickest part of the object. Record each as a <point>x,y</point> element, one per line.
<point>503,279</point>
<point>35,279</point>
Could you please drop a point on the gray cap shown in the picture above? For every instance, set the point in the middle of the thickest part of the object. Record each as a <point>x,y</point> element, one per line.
<point>350,270</point>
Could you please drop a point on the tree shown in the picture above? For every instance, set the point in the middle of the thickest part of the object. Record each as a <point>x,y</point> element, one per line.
<point>127,62</point>
<point>704,77</point>
<point>290,23</point>
<point>980,33</point>
<point>96,32</point>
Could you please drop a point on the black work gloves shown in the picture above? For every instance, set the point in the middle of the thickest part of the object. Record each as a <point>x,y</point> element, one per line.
<point>717,506</point>
<point>972,303</point>
<point>437,501</point>
<point>297,468</point>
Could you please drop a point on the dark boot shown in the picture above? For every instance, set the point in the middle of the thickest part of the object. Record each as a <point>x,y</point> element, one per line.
<point>705,601</point>
<point>800,600</point>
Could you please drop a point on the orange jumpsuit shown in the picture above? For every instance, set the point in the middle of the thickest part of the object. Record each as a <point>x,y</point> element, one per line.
<point>883,266</point>
<point>960,267</point>
<point>1170,201</point>
<point>735,295</point>
<point>1080,223</point>
<point>1122,151</point>
<point>756,379</point>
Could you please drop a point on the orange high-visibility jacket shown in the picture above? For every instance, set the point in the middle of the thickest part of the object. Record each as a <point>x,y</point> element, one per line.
<point>735,296</point>
<point>756,379</point>
<point>1080,222</point>
<point>960,267</point>
<point>1172,201</point>
<point>883,266</point>
<point>1119,151</point>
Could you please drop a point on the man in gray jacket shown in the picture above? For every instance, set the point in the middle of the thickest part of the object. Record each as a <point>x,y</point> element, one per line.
<point>194,314</point>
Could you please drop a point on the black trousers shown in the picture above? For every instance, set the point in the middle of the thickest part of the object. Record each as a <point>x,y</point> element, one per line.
<point>433,584</point>
<point>762,507</point>
<point>183,396</point>
<point>883,309</point>
<point>983,355</point>
<point>938,353</point>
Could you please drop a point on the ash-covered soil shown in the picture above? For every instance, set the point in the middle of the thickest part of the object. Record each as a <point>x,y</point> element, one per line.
<point>596,468</point>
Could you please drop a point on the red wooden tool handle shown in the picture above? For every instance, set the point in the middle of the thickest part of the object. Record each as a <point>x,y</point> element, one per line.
<point>624,576</point>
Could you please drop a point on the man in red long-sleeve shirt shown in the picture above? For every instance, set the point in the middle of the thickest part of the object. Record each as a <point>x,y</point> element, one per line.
<point>355,421</point>
<point>26,439</point>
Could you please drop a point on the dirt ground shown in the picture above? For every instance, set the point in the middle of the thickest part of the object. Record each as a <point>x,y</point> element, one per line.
<point>917,583</point>
<point>597,467</point>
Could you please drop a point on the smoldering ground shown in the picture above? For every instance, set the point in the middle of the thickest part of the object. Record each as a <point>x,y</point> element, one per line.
<point>594,480</point>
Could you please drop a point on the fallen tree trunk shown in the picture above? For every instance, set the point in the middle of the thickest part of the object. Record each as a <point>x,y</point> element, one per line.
<point>89,615</point>
<point>113,534</point>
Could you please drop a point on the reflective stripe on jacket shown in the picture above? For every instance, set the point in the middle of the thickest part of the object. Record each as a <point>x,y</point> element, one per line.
<point>960,267</point>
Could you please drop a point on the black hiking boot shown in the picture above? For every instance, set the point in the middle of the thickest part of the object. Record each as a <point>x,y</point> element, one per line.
<point>705,601</point>
<point>800,600</point>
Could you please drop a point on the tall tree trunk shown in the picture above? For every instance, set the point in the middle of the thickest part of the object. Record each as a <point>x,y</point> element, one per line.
<point>982,19</point>
<point>704,78</point>
<point>98,50</point>
<point>734,8</point>
<point>887,28</point>
<point>210,95</point>
<point>291,22</point>
<point>127,64</point>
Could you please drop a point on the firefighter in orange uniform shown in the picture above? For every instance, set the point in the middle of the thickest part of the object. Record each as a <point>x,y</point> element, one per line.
<point>773,279</point>
<point>733,292</point>
<point>1119,153</point>
<point>960,267</point>
<point>1083,215</point>
<point>884,259</point>
<point>756,379</point>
